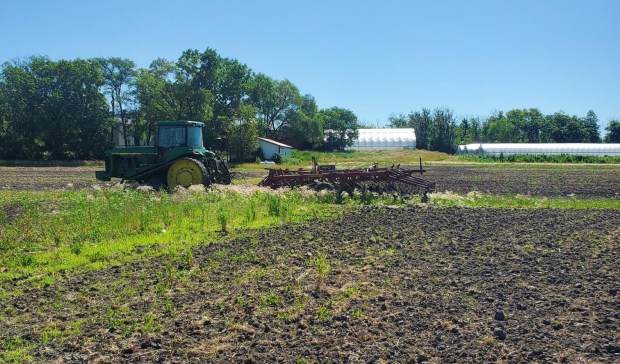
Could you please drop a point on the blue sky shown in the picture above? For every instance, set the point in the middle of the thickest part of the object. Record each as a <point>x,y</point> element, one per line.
<point>376,58</point>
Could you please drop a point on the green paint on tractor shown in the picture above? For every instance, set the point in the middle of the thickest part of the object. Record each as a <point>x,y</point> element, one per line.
<point>178,158</point>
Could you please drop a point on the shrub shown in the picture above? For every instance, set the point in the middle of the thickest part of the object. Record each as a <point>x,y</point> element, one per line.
<point>277,158</point>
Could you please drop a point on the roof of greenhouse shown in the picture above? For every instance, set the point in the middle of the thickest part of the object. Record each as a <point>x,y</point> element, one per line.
<point>386,133</point>
<point>540,146</point>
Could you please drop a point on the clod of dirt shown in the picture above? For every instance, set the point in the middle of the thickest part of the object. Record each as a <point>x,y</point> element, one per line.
<point>423,358</point>
<point>614,349</point>
<point>499,316</point>
<point>557,325</point>
<point>129,351</point>
<point>500,334</point>
<point>156,344</point>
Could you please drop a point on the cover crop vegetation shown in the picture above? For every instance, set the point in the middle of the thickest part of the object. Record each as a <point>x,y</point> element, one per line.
<point>44,233</point>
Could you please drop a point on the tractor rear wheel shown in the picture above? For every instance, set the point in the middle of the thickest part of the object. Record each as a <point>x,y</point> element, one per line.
<point>186,172</point>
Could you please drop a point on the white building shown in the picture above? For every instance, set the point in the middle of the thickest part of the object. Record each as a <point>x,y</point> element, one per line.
<point>595,149</point>
<point>271,147</point>
<point>381,139</point>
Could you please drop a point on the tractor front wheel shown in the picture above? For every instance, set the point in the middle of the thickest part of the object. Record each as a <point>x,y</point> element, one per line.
<point>186,172</point>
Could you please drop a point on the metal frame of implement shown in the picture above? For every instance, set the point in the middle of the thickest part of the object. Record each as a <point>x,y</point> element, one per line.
<point>327,177</point>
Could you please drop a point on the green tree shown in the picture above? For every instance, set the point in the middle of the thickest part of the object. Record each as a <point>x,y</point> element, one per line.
<point>227,80</point>
<point>468,131</point>
<point>340,127</point>
<point>562,128</point>
<point>592,127</point>
<point>527,125</point>
<point>613,132</point>
<point>242,134</point>
<point>119,75</point>
<point>422,122</point>
<point>275,102</point>
<point>443,130</point>
<point>398,121</point>
<point>53,110</point>
<point>305,125</point>
<point>499,129</point>
<point>165,92</point>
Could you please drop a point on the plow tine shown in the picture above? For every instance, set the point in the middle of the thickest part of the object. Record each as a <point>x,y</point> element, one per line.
<point>411,180</point>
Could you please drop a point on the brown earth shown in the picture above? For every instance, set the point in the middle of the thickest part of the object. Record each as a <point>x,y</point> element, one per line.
<point>46,178</point>
<point>535,180</point>
<point>414,284</point>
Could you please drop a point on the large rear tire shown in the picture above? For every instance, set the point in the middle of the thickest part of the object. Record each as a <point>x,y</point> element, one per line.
<point>186,172</point>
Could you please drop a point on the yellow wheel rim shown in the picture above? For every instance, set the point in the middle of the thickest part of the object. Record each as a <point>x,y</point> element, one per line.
<point>184,173</point>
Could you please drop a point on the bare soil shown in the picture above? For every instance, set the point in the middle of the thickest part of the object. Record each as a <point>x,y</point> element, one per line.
<point>415,284</point>
<point>536,180</point>
<point>46,178</point>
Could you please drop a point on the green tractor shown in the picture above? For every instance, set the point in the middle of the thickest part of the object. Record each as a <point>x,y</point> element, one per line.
<point>177,159</point>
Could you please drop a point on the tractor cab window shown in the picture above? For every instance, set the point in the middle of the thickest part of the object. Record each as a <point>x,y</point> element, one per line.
<point>171,136</point>
<point>194,136</point>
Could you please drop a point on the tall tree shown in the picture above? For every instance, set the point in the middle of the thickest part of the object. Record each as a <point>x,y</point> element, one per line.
<point>340,127</point>
<point>227,80</point>
<point>526,124</point>
<point>398,121</point>
<point>500,129</point>
<point>119,74</point>
<point>592,127</point>
<point>53,110</point>
<point>422,123</point>
<point>613,132</point>
<point>166,93</point>
<point>468,131</point>
<point>444,130</point>
<point>242,134</point>
<point>562,128</point>
<point>305,125</point>
<point>275,102</point>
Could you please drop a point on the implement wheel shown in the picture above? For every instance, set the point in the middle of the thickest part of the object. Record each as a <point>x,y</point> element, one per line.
<point>186,172</point>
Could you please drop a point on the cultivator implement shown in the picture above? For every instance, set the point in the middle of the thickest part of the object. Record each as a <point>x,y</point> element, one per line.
<point>392,179</point>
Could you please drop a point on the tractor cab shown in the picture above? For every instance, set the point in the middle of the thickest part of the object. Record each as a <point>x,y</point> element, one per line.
<point>176,138</point>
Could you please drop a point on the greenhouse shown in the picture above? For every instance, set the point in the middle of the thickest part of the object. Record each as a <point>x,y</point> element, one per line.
<point>378,139</point>
<point>495,149</point>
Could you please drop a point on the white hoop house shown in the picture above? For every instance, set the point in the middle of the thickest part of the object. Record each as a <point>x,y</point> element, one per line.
<point>381,139</point>
<point>595,149</point>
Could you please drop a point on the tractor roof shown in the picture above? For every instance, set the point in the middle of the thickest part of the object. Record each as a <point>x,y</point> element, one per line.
<point>181,122</point>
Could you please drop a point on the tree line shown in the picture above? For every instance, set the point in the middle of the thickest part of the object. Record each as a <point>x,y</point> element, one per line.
<point>70,109</point>
<point>441,130</point>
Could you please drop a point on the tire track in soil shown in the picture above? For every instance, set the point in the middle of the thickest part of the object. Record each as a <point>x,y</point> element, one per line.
<point>407,285</point>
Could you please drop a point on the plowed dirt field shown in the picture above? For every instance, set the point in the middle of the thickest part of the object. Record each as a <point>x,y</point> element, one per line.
<point>413,284</point>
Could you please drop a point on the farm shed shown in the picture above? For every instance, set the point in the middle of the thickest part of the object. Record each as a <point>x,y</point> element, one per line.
<point>271,147</point>
<point>381,139</point>
<point>595,149</point>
